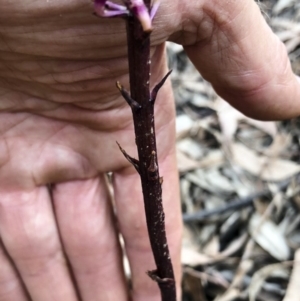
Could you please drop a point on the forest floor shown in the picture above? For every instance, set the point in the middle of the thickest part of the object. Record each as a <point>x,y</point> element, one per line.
<point>239,183</point>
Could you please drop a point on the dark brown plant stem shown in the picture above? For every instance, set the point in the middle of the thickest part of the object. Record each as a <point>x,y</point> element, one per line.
<point>141,101</point>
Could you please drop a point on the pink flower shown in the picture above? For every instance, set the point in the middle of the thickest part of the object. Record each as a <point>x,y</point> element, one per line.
<point>137,8</point>
<point>105,8</point>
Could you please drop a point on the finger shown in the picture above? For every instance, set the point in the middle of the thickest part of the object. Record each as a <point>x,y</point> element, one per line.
<point>11,286</point>
<point>131,217</point>
<point>87,228</point>
<point>29,234</point>
<point>247,65</point>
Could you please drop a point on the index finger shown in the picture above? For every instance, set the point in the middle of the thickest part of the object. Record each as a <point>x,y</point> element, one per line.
<point>244,60</point>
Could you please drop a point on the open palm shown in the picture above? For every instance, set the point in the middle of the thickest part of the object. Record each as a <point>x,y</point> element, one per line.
<point>60,118</point>
<point>71,148</point>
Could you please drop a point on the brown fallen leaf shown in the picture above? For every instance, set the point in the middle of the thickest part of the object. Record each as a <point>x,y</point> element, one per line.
<point>268,169</point>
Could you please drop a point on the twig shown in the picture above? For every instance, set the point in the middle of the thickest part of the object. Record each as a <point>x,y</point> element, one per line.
<point>141,101</point>
<point>139,70</point>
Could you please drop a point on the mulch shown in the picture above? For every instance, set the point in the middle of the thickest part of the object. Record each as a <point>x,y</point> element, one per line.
<point>239,182</point>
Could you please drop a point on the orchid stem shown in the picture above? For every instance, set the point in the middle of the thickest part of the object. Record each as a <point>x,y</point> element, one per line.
<point>141,102</point>
<point>139,73</point>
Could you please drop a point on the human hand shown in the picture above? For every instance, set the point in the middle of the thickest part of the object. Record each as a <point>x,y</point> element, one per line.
<point>60,117</point>
<point>233,47</point>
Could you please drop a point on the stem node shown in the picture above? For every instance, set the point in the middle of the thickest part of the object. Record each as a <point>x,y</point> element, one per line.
<point>153,275</point>
<point>133,161</point>
<point>135,106</point>
<point>153,168</point>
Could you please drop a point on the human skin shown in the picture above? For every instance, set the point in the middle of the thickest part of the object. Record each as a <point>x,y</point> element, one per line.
<point>60,118</point>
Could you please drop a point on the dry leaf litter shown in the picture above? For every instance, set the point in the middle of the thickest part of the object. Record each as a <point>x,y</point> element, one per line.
<point>239,181</point>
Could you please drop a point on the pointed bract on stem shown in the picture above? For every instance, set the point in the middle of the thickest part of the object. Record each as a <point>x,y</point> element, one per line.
<point>133,161</point>
<point>153,168</point>
<point>153,275</point>
<point>135,106</point>
<point>158,86</point>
